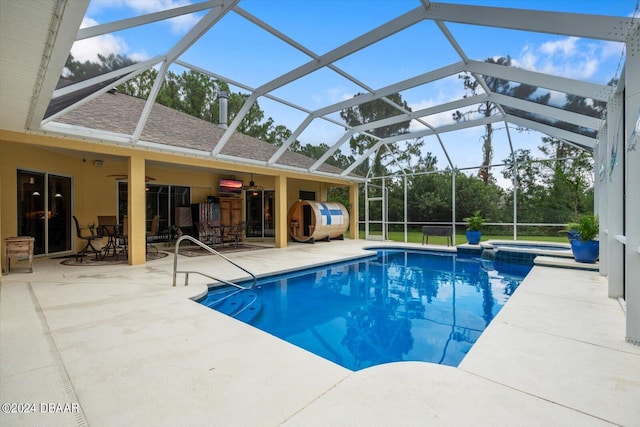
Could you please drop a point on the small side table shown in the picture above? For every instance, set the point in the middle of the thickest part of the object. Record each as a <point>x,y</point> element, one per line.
<point>20,247</point>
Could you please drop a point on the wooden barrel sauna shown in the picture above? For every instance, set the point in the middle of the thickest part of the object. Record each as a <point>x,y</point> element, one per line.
<point>309,220</point>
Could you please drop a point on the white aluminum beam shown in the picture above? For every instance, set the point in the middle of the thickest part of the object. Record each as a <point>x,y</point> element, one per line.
<point>331,150</point>
<point>243,86</point>
<point>599,27</point>
<point>631,159</point>
<point>396,87</point>
<point>424,78</point>
<point>200,29</point>
<point>124,24</point>
<point>547,111</point>
<point>275,32</point>
<point>178,49</point>
<point>138,66</point>
<point>391,27</point>
<point>411,135</point>
<point>94,95</point>
<point>557,133</point>
<point>146,111</point>
<point>465,124</point>
<point>533,78</point>
<point>363,157</point>
<point>386,122</point>
<point>296,133</point>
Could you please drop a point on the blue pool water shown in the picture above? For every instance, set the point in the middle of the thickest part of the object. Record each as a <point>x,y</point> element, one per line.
<point>398,305</point>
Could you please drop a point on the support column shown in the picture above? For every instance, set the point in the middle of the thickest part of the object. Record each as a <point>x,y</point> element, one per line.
<point>281,212</point>
<point>405,209</point>
<point>632,187</point>
<point>602,198</point>
<point>323,192</point>
<point>453,204</point>
<point>353,211</point>
<point>614,230</point>
<point>137,214</point>
<point>2,241</point>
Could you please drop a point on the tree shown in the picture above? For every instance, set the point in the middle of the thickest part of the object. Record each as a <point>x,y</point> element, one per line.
<point>140,85</point>
<point>472,194</point>
<point>373,111</point>
<point>199,94</point>
<point>526,175</point>
<point>79,71</point>
<point>170,92</point>
<point>429,197</point>
<point>569,178</point>
<point>488,108</point>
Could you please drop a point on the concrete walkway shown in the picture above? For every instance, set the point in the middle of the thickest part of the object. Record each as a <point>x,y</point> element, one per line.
<point>118,345</point>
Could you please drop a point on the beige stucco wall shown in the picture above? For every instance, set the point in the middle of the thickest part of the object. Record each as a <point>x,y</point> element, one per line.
<point>95,193</point>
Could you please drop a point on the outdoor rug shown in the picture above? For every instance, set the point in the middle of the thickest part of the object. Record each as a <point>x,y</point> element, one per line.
<point>91,261</point>
<point>193,251</point>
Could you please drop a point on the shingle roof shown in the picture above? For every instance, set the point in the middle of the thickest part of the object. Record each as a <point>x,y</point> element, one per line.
<point>119,113</point>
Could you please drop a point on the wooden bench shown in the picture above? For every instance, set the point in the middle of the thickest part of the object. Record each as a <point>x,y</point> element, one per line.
<point>437,230</point>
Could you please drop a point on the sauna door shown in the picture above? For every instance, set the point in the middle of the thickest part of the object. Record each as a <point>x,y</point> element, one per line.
<point>306,219</point>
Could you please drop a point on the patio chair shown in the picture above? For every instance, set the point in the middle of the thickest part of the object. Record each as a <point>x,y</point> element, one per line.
<point>236,233</point>
<point>152,235</point>
<point>122,239</point>
<point>108,227</point>
<point>89,238</point>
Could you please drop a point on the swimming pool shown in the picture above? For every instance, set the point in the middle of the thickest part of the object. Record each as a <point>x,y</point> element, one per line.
<point>394,306</point>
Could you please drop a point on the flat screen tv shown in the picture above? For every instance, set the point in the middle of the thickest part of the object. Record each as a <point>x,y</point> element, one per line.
<point>229,186</point>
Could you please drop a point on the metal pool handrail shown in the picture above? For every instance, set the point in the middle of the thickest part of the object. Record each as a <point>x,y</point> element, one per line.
<point>213,251</point>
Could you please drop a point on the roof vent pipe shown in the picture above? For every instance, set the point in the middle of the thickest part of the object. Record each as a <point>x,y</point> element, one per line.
<point>222,122</point>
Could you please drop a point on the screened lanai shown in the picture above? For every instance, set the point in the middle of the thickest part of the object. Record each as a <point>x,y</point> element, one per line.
<point>440,74</point>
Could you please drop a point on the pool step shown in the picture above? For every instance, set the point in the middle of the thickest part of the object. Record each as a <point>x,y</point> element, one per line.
<point>549,261</point>
<point>243,305</point>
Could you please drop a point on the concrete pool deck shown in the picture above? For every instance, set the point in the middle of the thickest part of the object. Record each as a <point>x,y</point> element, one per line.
<point>124,347</point>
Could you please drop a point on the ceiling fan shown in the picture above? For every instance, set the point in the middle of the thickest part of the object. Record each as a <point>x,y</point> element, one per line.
<point>252,187</point>
<point>120,177</point>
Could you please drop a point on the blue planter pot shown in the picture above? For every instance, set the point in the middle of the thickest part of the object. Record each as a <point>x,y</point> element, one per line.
<point>473,237</point>
<point>585,251</point>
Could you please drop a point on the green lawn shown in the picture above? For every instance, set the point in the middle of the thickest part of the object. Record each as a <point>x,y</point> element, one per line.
<point>416,237</point>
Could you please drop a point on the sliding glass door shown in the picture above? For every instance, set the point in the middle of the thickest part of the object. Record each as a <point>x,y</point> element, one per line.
<point>260,213</point>
<point>159,200</point>
<point>44,211</point>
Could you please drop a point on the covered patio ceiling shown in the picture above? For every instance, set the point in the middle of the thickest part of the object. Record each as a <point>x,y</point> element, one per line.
<point>37,38</point>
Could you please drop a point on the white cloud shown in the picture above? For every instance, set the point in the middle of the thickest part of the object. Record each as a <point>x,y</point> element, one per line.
<point>570,57</point>
<point>88,49</point>
<point>179,25</point>
<point>446,90</point>
<point>565,47</point>
<point>107,44</point>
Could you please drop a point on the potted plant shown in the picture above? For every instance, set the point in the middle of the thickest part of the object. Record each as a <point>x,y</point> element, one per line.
<point>474,227</point>
<point>585,247</point>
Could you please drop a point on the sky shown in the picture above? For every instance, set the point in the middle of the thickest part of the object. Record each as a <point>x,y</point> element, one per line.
<point>240,51</point>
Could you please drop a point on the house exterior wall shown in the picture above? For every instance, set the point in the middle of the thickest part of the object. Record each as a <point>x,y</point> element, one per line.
<point>95,192</point>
